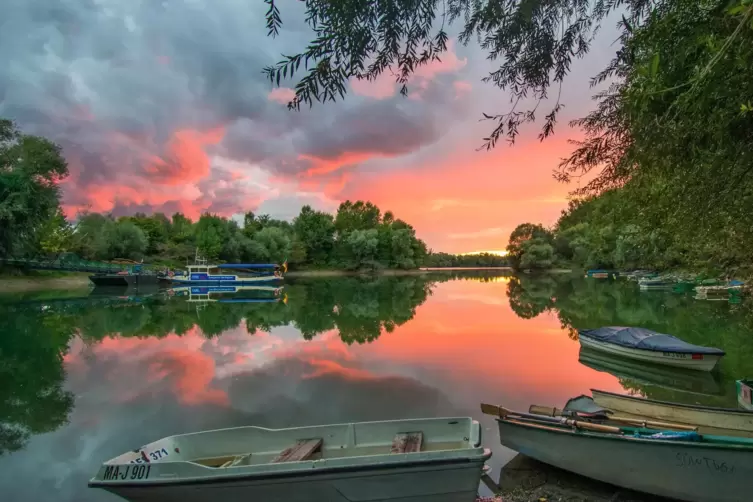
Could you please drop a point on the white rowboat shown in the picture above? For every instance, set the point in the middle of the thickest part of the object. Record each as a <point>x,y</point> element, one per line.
<point>410,460</point>
<point>649,346</point>
<point>716,419</point>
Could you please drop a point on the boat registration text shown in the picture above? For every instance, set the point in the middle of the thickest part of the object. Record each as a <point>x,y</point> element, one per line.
<point>121,473</point>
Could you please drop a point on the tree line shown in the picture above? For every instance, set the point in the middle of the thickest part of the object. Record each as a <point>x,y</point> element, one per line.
<point>359,236</point>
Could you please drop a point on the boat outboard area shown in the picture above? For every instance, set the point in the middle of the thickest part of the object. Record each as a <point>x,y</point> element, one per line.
<point>409,460</point>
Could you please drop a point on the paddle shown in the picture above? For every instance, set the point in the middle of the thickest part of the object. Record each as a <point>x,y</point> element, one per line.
<point>555,412</point>
<point>499,411</point>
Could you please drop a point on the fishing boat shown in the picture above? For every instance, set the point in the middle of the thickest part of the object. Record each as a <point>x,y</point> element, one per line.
<point>710,419</point>
<point>680,464</point>
<point>650,346</point>
<point>410,460</point>
<point>203,273</point>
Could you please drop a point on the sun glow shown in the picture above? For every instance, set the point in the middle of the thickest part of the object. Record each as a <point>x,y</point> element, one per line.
<point>498,252</point>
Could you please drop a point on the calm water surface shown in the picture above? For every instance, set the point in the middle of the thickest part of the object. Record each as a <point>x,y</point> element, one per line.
<point>86,375</point>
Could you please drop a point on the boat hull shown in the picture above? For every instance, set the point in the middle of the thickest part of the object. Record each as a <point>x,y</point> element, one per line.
<point>707,362</point>
<point>120,280</point>
<point>684,471</point>
<point>450,482</point>
<point>720,420</point>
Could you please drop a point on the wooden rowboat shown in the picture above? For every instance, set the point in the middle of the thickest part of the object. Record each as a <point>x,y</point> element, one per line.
<point>709,419</point>
<point>680,465</point>
<point>650,346</point>
<point>410,460</point>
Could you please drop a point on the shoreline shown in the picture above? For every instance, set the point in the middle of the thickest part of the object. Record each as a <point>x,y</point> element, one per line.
<point>78,280</point>
<point>25,283</point>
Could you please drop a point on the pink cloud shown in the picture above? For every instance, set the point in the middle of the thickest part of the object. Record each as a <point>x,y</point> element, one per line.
<point>384,86</point>
<point>461,87</point>
<point>282,95</point>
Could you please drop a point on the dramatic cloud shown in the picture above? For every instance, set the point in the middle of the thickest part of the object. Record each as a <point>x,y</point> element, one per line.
<point>152,100</point>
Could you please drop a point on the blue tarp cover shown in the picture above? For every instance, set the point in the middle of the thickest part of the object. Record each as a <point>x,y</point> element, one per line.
<point>641,338</point>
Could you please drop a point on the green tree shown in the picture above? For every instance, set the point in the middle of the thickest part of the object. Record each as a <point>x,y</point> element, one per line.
<point>521,234</point>
<point>181,229</point>
<point>357,215</point>
<point>211,233</point>
<point>30,170</point>
<point>316,232</point>
<point>90,235</point>
<point>536,253</point>
<point>125,240</point>
<point>276,242</point>
<point>56,234</point>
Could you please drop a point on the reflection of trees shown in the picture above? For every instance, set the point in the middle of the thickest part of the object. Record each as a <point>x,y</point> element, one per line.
<point>528,298</point>
<point>587,303</point>
<point>32,399</point>
<point>358,308</point>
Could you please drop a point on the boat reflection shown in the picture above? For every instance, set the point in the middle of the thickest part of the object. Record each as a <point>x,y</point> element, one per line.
<point>641,374</point>
<point>229,294</point>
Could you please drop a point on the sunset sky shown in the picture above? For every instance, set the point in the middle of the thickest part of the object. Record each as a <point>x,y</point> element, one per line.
<point>162,106</point>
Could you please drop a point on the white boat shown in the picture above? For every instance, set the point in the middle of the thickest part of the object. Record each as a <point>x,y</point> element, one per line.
<point>646,345</point>
<point>436,459</point>
<point>710,420</point>
<point>681,465</point>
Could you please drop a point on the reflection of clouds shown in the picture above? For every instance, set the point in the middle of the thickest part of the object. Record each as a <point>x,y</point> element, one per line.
<point>130,391</point>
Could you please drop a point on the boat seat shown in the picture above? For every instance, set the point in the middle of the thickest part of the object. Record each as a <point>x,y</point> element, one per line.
<point>235,461</point>
<point>407,442</point>
<point>301,450</point>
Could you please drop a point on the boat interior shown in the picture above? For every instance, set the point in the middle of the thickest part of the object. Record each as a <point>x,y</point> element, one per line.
<point>248,446</point>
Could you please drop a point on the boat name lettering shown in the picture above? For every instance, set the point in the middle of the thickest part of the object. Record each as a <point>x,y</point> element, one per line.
<point>155,455</point>
<point>675,355</point>
<point>687,460</point>
<point>115,473</point>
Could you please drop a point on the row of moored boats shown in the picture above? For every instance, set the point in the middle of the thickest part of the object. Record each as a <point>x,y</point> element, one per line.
<point>685,452</point>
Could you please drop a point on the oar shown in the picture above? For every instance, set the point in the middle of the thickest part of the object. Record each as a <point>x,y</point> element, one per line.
<point>499,411</point>
<point>555,412</point>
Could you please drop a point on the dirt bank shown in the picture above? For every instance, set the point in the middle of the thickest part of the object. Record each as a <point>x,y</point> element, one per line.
<point>526,480</point>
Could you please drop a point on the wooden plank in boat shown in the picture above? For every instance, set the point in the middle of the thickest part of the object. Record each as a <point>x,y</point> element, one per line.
<point>302,450</point>
<point>407,442</point>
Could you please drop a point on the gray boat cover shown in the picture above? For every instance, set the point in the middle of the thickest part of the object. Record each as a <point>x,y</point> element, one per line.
<point>641,338</point>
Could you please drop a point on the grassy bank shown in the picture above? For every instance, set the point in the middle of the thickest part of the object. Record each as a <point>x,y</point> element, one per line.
<point>14,283</point>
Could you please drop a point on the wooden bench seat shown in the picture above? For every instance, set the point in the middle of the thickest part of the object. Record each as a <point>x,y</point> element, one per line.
<point>302,450</point>
<point>407,442</point>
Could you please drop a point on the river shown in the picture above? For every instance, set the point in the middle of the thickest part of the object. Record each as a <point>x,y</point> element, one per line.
<point>85,376</point>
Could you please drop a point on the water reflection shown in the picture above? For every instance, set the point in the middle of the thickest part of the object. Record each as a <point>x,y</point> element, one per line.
<point>84,377</point>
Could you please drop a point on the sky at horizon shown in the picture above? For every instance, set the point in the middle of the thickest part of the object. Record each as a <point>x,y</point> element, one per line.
<point>162,106</point>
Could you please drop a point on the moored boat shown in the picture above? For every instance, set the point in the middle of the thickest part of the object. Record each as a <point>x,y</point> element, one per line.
<point>709,419</point>
<point>209,274</point>
<point>650,346</point>
<point>135,275</point>
<point>683,465</point>
<point>411,460</point>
